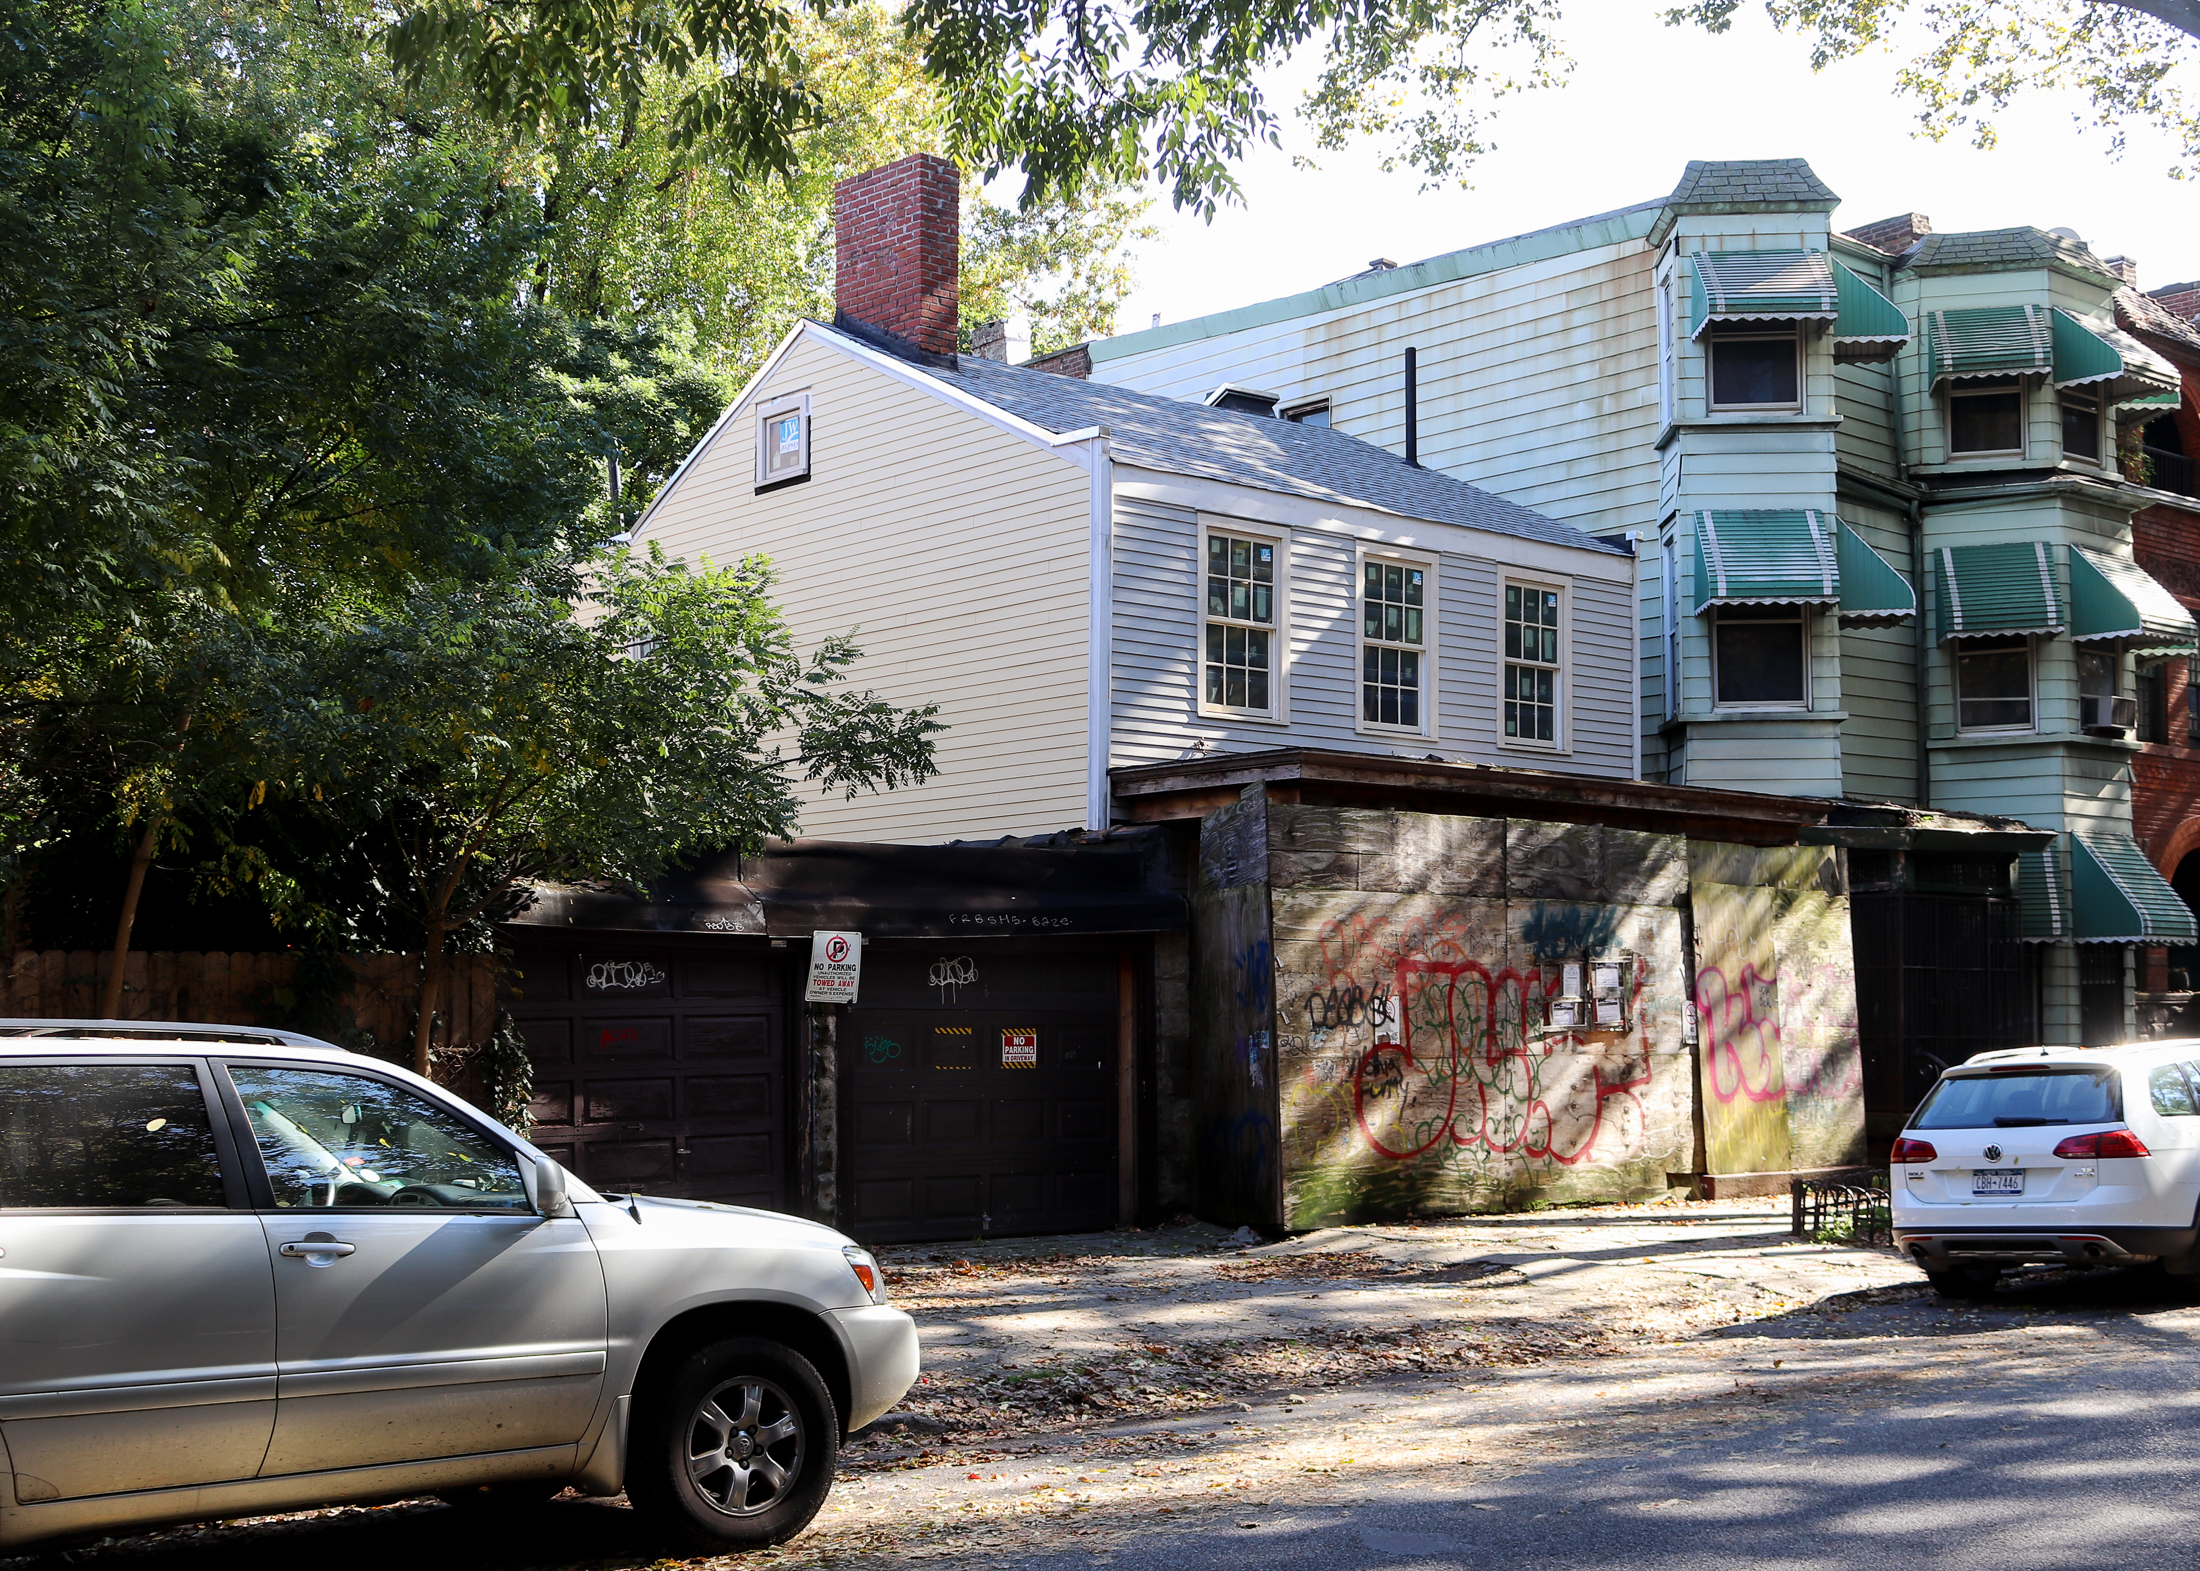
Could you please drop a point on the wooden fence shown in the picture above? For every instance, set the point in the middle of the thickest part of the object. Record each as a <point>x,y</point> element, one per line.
<point>241,989</point>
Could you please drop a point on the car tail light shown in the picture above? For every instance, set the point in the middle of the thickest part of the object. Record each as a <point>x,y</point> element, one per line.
<point>1908,1150</point>
<point>2109,1142</point>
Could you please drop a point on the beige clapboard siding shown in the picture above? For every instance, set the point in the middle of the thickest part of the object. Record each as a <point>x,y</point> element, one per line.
<point>957,553</point>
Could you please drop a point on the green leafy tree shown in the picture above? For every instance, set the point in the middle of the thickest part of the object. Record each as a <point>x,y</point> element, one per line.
<point>498,738</point>
<point>1172,88</point>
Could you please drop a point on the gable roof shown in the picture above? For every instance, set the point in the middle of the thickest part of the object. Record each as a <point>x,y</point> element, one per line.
<point>1173,436</point>
<point>2140,313</point>
<point>2004,248</point>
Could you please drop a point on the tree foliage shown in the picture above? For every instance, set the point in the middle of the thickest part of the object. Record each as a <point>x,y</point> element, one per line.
<point>1127,89</point>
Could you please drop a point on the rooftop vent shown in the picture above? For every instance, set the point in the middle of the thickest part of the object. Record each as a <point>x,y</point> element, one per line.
<point>1243,400</point>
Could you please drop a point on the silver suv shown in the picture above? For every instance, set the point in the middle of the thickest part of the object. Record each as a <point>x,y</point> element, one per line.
<point>244,1272</point>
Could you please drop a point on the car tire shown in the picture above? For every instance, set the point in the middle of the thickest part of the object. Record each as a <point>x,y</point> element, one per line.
<point>692,1467</point>
<point>1965,1282</point>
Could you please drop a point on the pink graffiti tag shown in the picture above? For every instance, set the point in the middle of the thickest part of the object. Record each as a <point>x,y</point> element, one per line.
<point>1741,1032</point>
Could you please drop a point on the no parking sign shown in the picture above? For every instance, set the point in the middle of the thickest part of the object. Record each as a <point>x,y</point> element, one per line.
<point>836,966</point>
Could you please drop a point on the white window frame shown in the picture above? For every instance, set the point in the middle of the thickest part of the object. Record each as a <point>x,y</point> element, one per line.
<point>1771,330</point>
<point>768,411</point>
<point>1668,372</point>
<point>1361,643</point>
<point>1810,668</point>
<point>2032,683</point>
<point>1669,567</point>
<point>1562,722</point>
<point>1279,631</point>
<point>1956,389</point>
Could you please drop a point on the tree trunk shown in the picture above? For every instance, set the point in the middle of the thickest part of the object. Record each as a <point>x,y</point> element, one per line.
<point>431,988</point>
<point>110,1002</point>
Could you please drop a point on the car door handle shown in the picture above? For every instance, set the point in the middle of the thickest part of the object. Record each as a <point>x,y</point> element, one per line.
<point>318,1250</point>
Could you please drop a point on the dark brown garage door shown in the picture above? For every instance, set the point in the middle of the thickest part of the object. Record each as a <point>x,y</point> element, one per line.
<point>659,1068</point>
<point>979,1094</point>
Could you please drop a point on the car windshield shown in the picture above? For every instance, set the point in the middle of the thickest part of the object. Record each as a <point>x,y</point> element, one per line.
<point>2016,1099</point>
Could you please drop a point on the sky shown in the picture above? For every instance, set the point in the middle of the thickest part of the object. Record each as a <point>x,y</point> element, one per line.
<point>1643,100</point>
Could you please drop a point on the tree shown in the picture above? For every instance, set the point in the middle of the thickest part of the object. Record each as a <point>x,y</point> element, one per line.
<point>1126,88</point>
<point>499,738</point>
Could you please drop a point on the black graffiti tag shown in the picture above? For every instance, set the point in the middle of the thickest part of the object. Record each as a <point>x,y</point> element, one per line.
<point>1352,1005</point>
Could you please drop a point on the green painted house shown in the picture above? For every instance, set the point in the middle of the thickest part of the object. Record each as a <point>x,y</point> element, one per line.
<point>1882,534</point>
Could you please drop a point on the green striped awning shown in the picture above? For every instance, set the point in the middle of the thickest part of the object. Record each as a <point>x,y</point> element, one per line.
<point>2151,402</point>
<point>2117,897</point>
<point>2114,602</point>
<point>1870,326</point>
<point>1766,556</point>
<point>1761,286</point>
<point>1989,340</point>
<point>2044,902</point>
<point>1873,594</point>
<point>1996,591</point>
<point>2083,356</point>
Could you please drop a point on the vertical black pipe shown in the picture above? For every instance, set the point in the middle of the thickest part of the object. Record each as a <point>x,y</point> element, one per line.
<point>1413,407</point>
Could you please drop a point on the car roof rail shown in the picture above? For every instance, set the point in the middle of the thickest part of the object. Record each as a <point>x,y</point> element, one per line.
<point>163,1031</point>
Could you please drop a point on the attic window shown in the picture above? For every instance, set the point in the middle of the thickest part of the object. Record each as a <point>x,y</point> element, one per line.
<point>1316,413</point>
<point>783,440</point>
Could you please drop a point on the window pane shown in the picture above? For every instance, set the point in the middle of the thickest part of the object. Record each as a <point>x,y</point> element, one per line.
<point>1241,600</point>
<point>2166,1088</point>
<point>1413,625</point>
<point>1393,622</point>
<point>1550,608</point>
<point>1374,585</point>
<point>1241,559</point>
<point>1993,686</point>
<point>1752,371</point>
<point>2081,429</point>
<point>1264,609</point>
<point>2096,674</point>
<point>1372,623</point>
<point>1233,645</point>
<point>1409,706</point>
<point>1214,644</point>
<point>331,1139</point>
<point>1985,422</point>
<point>1214,683</point>
<point>1264,564</point>
<point>105,1135</point>
<point>1218,556</point>
<point>1218,597</point>
<point>1512,640</point>
<point>1512,602</point>
<point>1256,689</point>
<point>1256,650</point>
<point>1550,645</point>
<point>1760,662</point>
<point>1413,586</point>
<point>1394,583</point>
<point>1233,688</point>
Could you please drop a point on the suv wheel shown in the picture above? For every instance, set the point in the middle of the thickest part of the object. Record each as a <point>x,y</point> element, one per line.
<point>737,1448</point>
<point>1965,1282</point>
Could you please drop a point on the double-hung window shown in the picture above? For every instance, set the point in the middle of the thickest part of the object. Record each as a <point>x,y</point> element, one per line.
<point>1240,672</point>
<point>1533,685</point>
<point>1753,366</point>
<point>1394,642</point>
<point>1994,684</point>
<point>1760,657</point>
<point>783,440</point>
<point>2081,427</point>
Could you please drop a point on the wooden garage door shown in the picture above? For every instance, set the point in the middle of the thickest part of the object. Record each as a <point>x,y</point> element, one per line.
<point>979,1096</point>
<point>659,1069</point>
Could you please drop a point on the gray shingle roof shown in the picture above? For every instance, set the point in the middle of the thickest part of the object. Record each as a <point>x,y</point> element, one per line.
<point>1176,437</point>
<point>2005,248</point>
<point>1727,182</point>
<point>2144,314</point>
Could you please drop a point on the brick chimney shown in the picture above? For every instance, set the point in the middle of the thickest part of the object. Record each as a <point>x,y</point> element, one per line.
<point>897,249</point>
<point>1894,235</point>
<point>2125,268</point>
<point>2181,300</point>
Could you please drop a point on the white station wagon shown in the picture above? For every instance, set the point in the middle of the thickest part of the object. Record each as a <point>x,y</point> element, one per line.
<point>2084,1156</point>
<point>244,1272</point>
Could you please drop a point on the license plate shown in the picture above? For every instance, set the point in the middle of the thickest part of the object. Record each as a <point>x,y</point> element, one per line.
<point>1997,1181</point>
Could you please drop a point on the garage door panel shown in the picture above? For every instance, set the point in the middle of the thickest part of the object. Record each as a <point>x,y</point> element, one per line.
<point>629,1101</point>
<point>952,1199</point>
<point>884,1123</point>
<point>628,1038</point>
<point>730,1156</point>
<point>726,1036</point>
<point>953,1123</point>
<point>551,1103</point>
<point>953,1047</point>
<point>615,1163</point>
<point>1019,1120</point>
<point>711,1099</point>
<point>548,1041</point>
<point>884,1202</point>
<point>1081,1120</point>
<point>734,977</point>
<point>1083,1050</point>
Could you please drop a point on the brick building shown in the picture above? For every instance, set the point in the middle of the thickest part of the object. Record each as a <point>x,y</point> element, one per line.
<point>2165,800</point>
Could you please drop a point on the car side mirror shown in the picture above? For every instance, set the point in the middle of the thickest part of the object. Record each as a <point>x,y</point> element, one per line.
<point>546,1187</point>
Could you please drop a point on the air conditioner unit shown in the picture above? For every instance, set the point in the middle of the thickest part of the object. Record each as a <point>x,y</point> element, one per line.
<point>2103,716</point>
